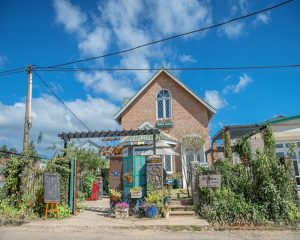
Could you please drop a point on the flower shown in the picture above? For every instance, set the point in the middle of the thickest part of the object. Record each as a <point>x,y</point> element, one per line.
<point>122,205</point>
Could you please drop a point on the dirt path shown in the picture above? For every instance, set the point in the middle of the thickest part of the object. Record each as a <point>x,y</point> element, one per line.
<point>21,233</point>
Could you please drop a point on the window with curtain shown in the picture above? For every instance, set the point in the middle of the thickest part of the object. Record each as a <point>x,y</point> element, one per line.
<point>163,104</point>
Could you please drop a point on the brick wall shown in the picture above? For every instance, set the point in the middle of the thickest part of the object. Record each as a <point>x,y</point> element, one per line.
<point>188,114</point>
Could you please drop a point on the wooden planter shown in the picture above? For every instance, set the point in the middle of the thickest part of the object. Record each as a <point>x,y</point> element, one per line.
<point>136,194</point>
<point>121,213</point>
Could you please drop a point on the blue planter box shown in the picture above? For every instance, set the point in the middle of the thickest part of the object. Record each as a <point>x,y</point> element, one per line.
<point>151,212</point>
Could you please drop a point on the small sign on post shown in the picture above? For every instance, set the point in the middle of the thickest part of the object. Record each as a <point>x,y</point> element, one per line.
<point>211,181</point>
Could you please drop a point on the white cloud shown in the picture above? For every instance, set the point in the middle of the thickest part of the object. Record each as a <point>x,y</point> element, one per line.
<point>95,42</point>
<point>215,99</point>
<point>70,16</point>
<point>262,18</point>
<point>124,24</point>
<point>186,58</point>
<point>243,83</point>
<point>51,118</point>
<point>233,30</point>
<point>103,82</point>
<point>179,16</point>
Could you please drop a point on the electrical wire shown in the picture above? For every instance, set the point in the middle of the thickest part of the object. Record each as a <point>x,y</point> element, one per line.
<point>55,95</point>
<point>174,36</point>
<point>10,72</point>
<point>168,69</point>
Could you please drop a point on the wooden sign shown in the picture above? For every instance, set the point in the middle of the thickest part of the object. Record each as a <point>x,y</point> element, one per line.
<point>210,181</point>
<point>51,187</point>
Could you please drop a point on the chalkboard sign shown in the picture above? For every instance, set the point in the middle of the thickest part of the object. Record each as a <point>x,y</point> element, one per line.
<point>51,187</point>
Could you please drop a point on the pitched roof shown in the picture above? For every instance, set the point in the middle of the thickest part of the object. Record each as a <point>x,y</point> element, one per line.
<point>119,113</point>
<point>146,139</point>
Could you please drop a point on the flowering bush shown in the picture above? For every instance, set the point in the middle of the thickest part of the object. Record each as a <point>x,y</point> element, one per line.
<point>122,205</point>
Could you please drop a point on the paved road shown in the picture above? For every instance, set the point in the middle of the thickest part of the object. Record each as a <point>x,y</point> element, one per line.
<point>21,233</point>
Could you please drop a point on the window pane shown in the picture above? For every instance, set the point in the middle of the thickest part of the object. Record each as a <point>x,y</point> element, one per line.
<point>168,164</point>
<point>296,168</point>
<point>160,109</point>
<point>280,154</point>
<point>298,180</point>
<point>279,145</point>
<point>167,103</point>
<point>298,144</point>
<point>292,155</point>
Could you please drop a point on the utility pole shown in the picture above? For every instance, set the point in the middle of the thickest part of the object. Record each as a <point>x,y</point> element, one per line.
<point>27,124</point>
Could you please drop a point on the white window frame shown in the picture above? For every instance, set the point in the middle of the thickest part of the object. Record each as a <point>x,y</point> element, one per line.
<point>164,105</point>
<point>164,158</point>
<point>285,152</point>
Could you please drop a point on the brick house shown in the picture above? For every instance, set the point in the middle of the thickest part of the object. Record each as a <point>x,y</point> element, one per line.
<point>166,103</point>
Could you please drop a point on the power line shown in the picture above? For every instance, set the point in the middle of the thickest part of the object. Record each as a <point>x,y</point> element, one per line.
<point>9,72</point>
<point>170,69</point>
<point>175,36</point>
<point>12,70</point>
<point>39,77</point>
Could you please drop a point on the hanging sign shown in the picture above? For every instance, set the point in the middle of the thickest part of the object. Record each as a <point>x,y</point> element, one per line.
<point>210,181</point>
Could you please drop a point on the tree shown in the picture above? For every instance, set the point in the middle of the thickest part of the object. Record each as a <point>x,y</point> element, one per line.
<point>227,145</point>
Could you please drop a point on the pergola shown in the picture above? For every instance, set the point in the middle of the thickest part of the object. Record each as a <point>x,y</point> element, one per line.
<point>110,134</point>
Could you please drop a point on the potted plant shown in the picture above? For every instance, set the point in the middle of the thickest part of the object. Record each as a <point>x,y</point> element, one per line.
<point>153,199</point>
<point>166,211</point>
<point>128,177</point>
<point>115,195</point>
<point>121,210</point>
<point>167,197</point>
<point>136,192</point>
<point>178,180</point>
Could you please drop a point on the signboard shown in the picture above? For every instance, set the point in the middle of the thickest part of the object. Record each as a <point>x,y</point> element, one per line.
<point>210,181</point>
<point>51,187</point>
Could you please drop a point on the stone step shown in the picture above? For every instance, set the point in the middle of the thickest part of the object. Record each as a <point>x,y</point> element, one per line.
<point>181,208</point>
<point>182,213</point>
<point>186,201</point>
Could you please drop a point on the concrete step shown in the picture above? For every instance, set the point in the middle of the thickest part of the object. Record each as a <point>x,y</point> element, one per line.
<point>181,208</point>
<point>186,201</point>
<point>182,213</point>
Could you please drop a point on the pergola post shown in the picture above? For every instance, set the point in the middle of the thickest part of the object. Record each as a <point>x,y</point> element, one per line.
<point>154,144</point>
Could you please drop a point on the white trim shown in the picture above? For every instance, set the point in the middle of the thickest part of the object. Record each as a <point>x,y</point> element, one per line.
<point>118,114</point>
<point>164,161</point>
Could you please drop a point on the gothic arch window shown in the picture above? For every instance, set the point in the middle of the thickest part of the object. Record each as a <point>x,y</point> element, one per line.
<point>163,104</point>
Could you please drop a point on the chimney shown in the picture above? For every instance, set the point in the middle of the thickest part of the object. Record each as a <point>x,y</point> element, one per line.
<point>125,101</point>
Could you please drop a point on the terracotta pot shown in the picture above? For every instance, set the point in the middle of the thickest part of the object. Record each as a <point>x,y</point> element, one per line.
<point>129,179</point>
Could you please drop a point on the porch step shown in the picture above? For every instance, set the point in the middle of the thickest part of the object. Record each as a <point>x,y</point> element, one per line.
<point>181,208</point>
<point>185,201</point>
<point>182,213</point>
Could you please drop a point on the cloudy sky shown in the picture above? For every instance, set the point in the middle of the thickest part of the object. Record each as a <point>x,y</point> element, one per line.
<point>50,32</point>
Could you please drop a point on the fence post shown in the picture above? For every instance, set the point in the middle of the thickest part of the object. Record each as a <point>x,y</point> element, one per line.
<point>195,183</point>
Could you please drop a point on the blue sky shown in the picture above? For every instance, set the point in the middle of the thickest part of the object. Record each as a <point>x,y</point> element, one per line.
<point>49,32</point>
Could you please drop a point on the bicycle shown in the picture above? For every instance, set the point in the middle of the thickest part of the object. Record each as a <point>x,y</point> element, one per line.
<point>112,206</point>
<point>136,206</point>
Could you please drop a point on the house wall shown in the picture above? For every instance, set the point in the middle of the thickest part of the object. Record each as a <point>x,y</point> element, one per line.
<point>188,115</point>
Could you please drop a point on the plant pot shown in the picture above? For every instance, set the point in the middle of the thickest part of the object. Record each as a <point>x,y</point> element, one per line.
<point>151,211</point>
<point>166,215</point>
<point>121,213</point>
<point>168,200</point>
<point>178,183</point>
<point>115,198</point>
<point>129,179</point>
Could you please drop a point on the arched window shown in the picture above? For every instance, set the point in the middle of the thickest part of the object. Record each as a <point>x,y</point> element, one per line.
<point>163,104</point>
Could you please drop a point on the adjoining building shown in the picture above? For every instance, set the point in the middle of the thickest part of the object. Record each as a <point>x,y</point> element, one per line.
<point>286,132</point>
